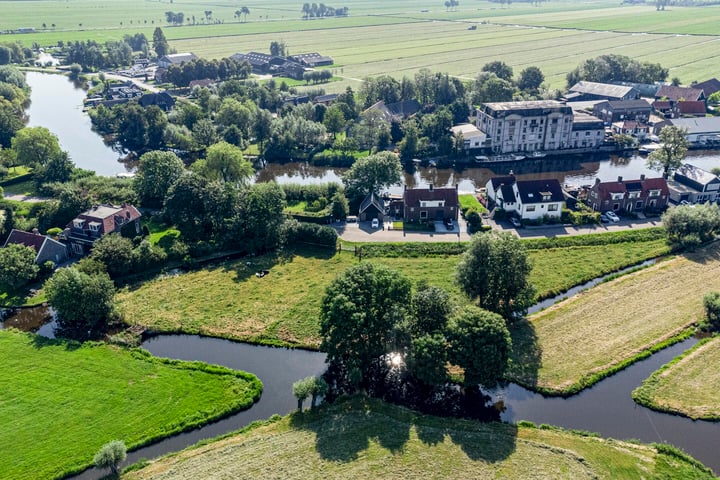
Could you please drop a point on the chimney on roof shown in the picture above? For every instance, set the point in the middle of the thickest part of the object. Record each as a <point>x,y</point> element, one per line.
<point>430,186</point>
<point>35,231</point>
<point>597,181</point>
<point>642,177</point>
<point>619,179</point>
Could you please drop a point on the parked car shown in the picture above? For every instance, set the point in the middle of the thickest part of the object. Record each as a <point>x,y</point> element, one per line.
<point>604,218</point>
<point>449,224</point>
<point>515,222</point>
<point>375,223</point>
<point>612,216</point>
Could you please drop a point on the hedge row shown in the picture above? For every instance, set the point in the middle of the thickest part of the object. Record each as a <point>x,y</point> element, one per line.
<point>592,239</point>
<point>412,250</point>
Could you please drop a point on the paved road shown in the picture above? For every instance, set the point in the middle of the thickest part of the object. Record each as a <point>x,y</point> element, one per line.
<point>361,232</point>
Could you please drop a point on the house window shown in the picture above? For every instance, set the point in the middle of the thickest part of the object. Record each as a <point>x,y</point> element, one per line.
<point>634,195</point>
<point>616,207</point>
<point>552,207</point>
<point>639,205</point>
<point>530,208</point>
<point>77,248</point>
<point>654,193</point>
<point>423,215</point>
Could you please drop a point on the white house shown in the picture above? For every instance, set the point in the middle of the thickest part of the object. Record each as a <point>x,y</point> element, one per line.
<point>529,199</point>
<point>472,136</point>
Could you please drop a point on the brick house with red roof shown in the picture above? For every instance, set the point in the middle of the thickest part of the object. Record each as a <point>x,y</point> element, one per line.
<point>430,204</point>
<point>629,195</point>
<point>46,249</point>
<point>101,220</point>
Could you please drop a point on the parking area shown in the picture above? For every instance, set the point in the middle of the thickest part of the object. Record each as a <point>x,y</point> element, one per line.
<point>363,232</point>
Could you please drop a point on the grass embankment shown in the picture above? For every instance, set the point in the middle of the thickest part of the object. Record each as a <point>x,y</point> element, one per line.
<point>581,340</point>
<point>62,401</point>
<point>283,308</point>
<point>362,438</point>
<point>688,385</point>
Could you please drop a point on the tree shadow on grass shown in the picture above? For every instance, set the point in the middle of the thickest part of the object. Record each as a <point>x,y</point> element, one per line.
<point>490,443</point>
<point>709,253</point>
<point>526,356</point>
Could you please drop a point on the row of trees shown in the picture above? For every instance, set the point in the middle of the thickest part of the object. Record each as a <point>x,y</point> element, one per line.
<point>14,98</point>
<point>223,69</point>
<point>612,67</point>
<point>313,10</point>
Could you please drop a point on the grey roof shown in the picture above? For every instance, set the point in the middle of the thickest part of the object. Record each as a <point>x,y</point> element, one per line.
<point>709,125</point>
<point>695,173</point>
<point>372,199</point>
<point>629,104</point>
<point>526,105</point>
<point>585,121</point>
<point>601,89</point>
<point>178,58</point>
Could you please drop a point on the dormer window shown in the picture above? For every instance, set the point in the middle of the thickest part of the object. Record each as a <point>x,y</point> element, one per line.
<point>94,226</point>
<point>654,193</point>
<point>617,196</point>
<point>79,223</point>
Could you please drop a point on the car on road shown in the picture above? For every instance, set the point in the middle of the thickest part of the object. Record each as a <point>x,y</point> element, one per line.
<point>612,216</point>
<point>515,222</point>
<point>375,223</point>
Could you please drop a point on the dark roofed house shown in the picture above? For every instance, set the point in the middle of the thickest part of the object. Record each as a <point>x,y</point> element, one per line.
<point>161,99</point>
<point>88,227</point>
<point>694,108</point>
<point>175,59</point>
<point>681,101</point>
<point>430,204</point>
<point>708,86</point>
<point>326,99</point>
<point>260,62</point>
<point>629,195</point>
<point>46,248</point>
<point>529,199</point>
<point>695,185</point>
<point>676,94</point>
<point>371,207</point>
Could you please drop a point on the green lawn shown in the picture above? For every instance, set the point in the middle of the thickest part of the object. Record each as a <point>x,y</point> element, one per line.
<point>62,401</point>
<point>361,438</point>
<point>26,188</point>
<point>688,385</point>
<point>228,300</point>
<point>577,342</point>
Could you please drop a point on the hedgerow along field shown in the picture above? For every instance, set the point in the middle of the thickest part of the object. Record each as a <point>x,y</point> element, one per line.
<point>62,401</point>
<point>361,438</point>
<point>583,339</point>
<point>688,385</point>
<point>399,38</point>
<point>228,300</point>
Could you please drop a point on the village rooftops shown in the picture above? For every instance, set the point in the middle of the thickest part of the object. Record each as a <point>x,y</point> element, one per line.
<point>677,94</point>
<point>606,90</point>
<point>698,125</point>
<point>708,86</point>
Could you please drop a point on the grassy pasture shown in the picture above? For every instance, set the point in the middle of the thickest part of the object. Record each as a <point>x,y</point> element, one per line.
<point>686,386</point>
<point>363,438</point>
<point>62,401</point>
<point>229,301</point>
<point>555,37</point>
<point>581,339</point>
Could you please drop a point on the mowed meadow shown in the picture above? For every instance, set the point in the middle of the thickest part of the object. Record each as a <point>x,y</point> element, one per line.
<point>399,38</point>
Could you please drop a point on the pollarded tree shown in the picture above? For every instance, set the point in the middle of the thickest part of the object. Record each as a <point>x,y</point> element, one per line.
<point>688,226</point>
<point>494,271</point>
<point>35,146</point>
<point>302,389</point>
<point>372,173</point>
<point>670,155</point>
<point>156,173</point>
<point>84,303</point>
<point>479,343</point>
<point>110,455</point>
<point>17,265</point>
<point>360,311</point>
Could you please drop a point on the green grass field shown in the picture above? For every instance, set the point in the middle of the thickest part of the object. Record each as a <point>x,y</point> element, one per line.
<point>575,343</point>
<point>229,301</point>
<point>362,438</point>
<point>686,386</point>
<point>62,401</point>
<point>399,38</point>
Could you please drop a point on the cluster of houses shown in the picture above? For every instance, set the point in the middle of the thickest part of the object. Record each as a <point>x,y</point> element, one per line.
<point>292,66</point>
<point>588,115</point>
<point>80,234</point>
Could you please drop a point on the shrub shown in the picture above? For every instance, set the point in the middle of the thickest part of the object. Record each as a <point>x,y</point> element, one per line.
<point>689,226</point>
<point>303,232</point>
<point>711,302</point>
<point>332,158</point>
<point>474,221</point>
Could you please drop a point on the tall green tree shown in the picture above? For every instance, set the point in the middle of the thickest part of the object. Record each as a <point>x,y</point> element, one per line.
<point>494,271</point>
<point>711,302</point>
<point>12,120</point>
<point>160,43</point>
<point>500,69</point>
<point>157,171</point>
<point>427,359</point>
<point>83,303</point>
<point>226,163</point>
<point>372,173</point>
<point>35,146</point>
<point>673,148</point>
<point>334,120</point>
<point>17,266</point>
<point>530,79</point>
<point>115,252</point>
<point>431,310</point>
<point>360,310</point>
<point>479,343</point>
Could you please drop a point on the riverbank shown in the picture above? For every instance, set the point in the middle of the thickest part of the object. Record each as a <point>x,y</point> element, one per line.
<point>364,438</point>
<point>687,386</point>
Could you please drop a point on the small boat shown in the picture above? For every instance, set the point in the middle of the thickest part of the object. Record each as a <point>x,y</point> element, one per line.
<point>482,158</point>
<point>537,154</point>
<point>649,147</point>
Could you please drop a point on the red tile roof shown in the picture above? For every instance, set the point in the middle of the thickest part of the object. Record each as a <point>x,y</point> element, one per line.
<point>606,188</point>
<point>415,195</point>
<point>110,217</point>
<point>692,107</point>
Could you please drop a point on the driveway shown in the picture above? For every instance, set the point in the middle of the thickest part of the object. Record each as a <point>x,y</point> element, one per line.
<point>561,230</point>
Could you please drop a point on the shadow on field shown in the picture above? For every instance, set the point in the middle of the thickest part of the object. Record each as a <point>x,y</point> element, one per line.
<point>344,435</point>
<point>526,353</point>
<point>706,254</point>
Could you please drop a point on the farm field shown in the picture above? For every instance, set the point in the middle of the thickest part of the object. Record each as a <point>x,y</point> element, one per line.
<point>62,401</point>
<point>283,308</point>
<point>687,386</point>
<point>582,339</point>
<point>555,37</point>
<point>362,438</point>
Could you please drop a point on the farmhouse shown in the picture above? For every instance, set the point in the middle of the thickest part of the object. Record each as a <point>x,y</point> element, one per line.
<point>175,59</point>
<point>629,195</point>
<point>529,199</point>
<point>162,100</point>
<point>694,185</point>
<point>101,220</point>
<point>600,91</point>
<point>708,86</point>
<point>312,60</point>
<point>46,248</point>
<point>430,204</point>
<point>472,137</point>
<point>611,111</point>
<point>526,126</point>
<point>674,102</point>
